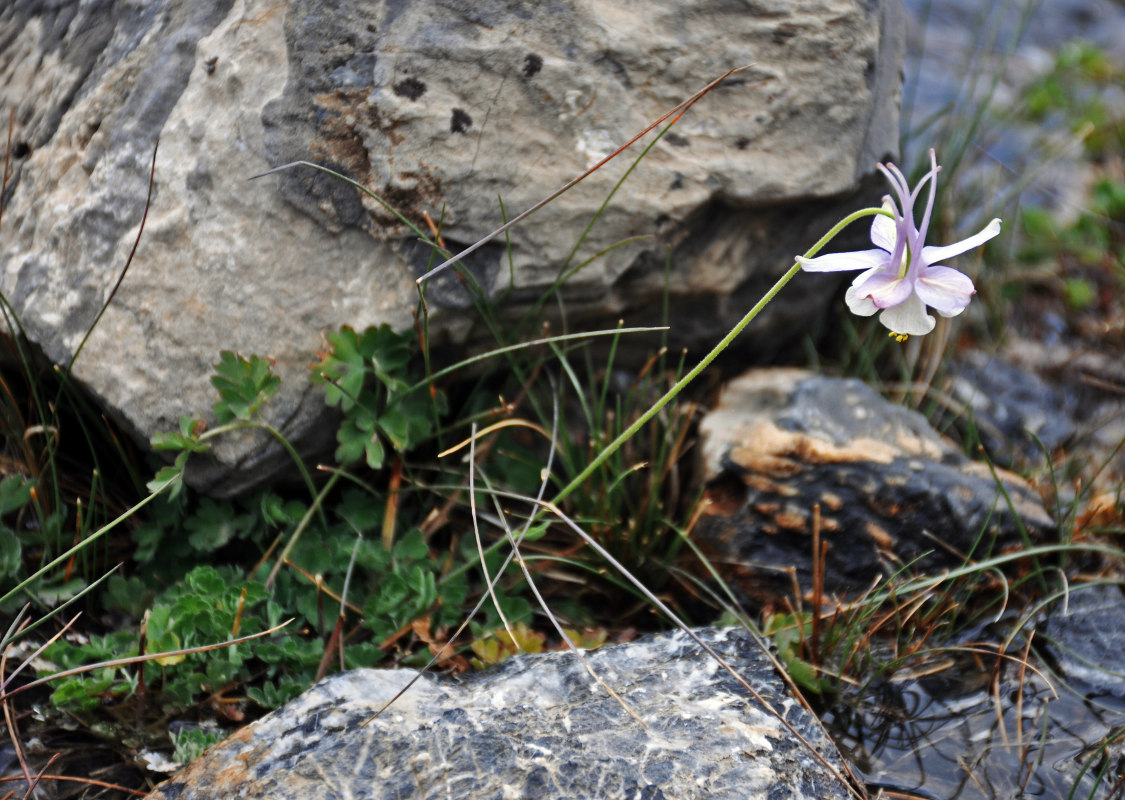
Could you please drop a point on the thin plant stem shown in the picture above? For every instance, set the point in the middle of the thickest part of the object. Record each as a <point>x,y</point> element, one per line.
<point>62,557</point>
<point>725,342</point>
<point>301,526</point>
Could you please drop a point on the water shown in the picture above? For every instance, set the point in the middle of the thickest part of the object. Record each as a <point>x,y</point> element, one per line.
<point>970,736</point>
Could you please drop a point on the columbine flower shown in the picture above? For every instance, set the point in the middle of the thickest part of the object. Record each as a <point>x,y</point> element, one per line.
<point>900,277</point>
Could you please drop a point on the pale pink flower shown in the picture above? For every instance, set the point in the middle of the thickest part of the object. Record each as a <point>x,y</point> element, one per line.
<point>901,277</point>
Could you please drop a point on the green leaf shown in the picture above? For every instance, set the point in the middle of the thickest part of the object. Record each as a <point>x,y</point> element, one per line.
<point>15,492</point>
<point>82,693</point>
<point>127,595</point>
<point>376,456</point>
<point>215,524</point>
<point>312,556</point>
<point>452,593</point>
<point>220,672</point>
<point>516,609</point>
<point>388,352</point>
<point>276,510</point>
<point>189,744</point>
<point>419,423</point>
<point>804,674</point>
<point>186,439</point>
<point>206,581</point>
<point>1038,222</point>
<point>356,442</point>
<point>370,556</point>
<point>343,371</point>
<point>411,547</point>
<point>175,441</point>
<point>423,587</point>
<point>243,385</point>
<point>394,424</point>
<point>164,477</point>
<point>396,387</point>
<point>362,510</point>
<point>536,532</point>
<point>364,654</point>
<point>1080,293</point>
<point>273,696</point>
<point>10,550</point>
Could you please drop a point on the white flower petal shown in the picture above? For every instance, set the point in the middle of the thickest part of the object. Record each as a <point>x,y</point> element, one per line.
<point>900,280</point>
<point>932,255</point>
<point>858,301</point>
<point>884,232</point>
<point>885,288</point>
<point>908,317</point>
<point>944,289</point>
<point>842,262</point>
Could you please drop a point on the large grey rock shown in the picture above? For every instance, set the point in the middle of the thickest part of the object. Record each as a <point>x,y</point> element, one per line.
<point>891,490</point>
<point>534,727</point>
<point>439,107</point>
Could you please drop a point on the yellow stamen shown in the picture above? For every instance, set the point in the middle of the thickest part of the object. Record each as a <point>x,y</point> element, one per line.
<point>899,337</point>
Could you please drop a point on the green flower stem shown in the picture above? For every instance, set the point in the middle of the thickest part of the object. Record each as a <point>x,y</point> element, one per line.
<point>725,342</point>
<point>241,425</point>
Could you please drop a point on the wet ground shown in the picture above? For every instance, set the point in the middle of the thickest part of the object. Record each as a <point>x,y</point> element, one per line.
<point>1021,736</point>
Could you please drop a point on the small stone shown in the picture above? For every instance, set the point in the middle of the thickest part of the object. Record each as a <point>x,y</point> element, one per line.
<point>891,490</point>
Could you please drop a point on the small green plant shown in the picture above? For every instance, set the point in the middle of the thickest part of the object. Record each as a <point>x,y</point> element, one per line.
<point>365,376</point>
<point>790,634</point>
<point>499,645</point>
<point>244,385</point>
<point>210,605</point>
<point>188,744</point>
<point>403,584</point>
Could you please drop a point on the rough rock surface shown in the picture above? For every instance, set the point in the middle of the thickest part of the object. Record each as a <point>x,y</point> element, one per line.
<point>440,106</point>
<point>1086,638</point>
<point>536,726</point>
<point>1090,377</point>
<point>1014,412</point>
<point>891,490</point>
<point>914,737</point>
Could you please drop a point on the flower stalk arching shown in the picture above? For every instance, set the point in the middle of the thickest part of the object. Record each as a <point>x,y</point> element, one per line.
<point>725,342</point>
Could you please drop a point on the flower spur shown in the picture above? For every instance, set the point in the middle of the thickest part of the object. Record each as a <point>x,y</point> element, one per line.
<point>901,275</point>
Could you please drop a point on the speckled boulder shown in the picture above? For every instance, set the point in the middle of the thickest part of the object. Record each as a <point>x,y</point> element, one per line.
<point>535,727</point>
<point>891,490</point>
